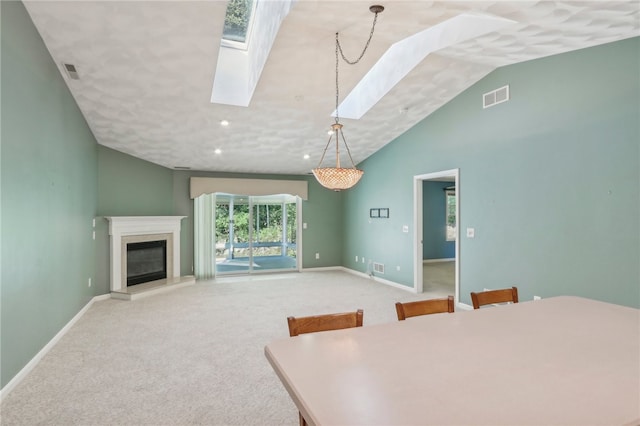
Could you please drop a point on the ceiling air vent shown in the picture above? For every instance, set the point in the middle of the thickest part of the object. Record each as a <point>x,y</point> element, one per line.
<point>71,71</point>
<point>495,97</point>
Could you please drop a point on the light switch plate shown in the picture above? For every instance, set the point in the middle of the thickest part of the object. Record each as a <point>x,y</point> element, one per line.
<point>471,232</point>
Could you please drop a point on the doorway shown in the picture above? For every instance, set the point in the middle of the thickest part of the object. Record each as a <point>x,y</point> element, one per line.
<point>445,220</point>
<point>255,234</point>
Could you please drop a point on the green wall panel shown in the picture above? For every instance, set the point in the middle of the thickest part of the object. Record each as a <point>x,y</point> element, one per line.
<point>549,180</point>
<point>127,186</point>
<point>49,196</point>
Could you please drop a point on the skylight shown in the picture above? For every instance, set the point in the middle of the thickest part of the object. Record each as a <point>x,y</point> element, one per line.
<point>250,29</point>
<point>238,22</point>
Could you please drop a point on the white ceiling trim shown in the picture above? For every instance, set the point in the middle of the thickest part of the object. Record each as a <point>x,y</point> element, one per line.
<point>250,187</point>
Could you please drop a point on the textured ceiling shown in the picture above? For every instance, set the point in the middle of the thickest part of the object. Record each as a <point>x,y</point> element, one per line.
<point>146,72</point>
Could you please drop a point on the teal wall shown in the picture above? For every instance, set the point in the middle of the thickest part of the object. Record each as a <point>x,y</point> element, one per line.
<point>49,196</point>
<point>129,186</point>
<point>552,174</point>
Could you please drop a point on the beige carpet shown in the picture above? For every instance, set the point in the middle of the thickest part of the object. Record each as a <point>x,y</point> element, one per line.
<point>191,356</point>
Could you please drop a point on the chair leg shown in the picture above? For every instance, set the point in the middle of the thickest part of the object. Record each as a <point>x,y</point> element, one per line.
<point>303,422</point>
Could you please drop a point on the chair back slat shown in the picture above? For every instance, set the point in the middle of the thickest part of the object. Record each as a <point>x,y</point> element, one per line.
<point>490,297</point>
<point>312,324</point>
<point>424,307</point>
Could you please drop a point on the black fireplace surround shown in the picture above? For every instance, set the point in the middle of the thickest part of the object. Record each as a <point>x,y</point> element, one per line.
<point>146,261</point>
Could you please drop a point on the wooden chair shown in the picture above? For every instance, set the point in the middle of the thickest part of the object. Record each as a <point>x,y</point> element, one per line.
<point>424,307</point>
<point>494,296</point>
<point>326,322</point>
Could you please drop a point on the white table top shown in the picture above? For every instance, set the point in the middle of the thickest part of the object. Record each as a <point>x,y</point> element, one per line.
<point>563,360</point>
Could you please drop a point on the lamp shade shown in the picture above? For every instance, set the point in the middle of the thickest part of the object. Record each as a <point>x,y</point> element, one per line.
<point>337,178</point>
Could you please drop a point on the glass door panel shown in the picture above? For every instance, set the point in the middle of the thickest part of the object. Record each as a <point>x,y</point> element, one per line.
<point>233,251</point>
<point>256,234</point>
<point>271,249</point>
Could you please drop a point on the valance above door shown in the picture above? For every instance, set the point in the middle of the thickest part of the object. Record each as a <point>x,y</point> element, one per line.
<point>252,187</point>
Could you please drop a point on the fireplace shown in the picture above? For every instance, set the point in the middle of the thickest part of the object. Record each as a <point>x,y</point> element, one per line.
<point>144,233</point>
<point>146,261</point>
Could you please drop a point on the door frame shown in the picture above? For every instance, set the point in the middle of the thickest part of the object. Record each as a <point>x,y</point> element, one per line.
<point>418,216</point>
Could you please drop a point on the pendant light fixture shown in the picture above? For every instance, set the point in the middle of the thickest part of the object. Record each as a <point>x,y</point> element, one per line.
<point>338,178</point>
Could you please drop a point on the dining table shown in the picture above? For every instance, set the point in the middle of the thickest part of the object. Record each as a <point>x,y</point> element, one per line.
<point>562,360</point>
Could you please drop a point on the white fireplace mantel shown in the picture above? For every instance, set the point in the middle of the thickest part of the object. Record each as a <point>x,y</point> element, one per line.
<point>121,228</point>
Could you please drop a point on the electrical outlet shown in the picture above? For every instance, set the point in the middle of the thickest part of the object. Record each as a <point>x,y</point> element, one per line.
<point>356,258</point>
<point>89,283</point>
<point>317,255</point>
<point>398,268</point>
<point>362,259</point>
<point>537,297</point>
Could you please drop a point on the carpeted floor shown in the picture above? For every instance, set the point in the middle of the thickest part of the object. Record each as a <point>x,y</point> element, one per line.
<point>193,356</point>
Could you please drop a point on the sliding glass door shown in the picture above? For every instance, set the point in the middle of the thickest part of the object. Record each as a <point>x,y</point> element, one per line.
<point>255,234</point>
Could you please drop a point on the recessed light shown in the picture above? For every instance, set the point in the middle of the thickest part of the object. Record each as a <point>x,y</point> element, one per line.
<point>329,132</point>
<point>224,123</point>
<point>218,151</point>
<point>306,156</point>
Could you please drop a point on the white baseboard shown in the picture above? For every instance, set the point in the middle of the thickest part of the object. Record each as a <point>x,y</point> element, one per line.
<point>323,268</point>
<point>448,259</point>
<point>363,275</point>
<point>380,280</point>
<point>34,361</point>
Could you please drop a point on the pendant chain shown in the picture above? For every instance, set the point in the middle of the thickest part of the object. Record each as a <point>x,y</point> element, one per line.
<point>339,49</point>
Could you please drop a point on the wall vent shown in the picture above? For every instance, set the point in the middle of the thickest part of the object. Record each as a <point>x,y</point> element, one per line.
<point>495,97</point>
<point>71,71</point>
<point>378,268</point>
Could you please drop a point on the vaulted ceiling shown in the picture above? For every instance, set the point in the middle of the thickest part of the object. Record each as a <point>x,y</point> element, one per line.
<point>147,68</point>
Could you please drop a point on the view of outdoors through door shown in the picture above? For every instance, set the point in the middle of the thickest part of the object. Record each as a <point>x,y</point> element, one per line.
<point>255,234</point>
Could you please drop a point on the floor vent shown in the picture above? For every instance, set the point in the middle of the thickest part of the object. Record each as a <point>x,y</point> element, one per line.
<point>378,268</point>
<point>495,97</point>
